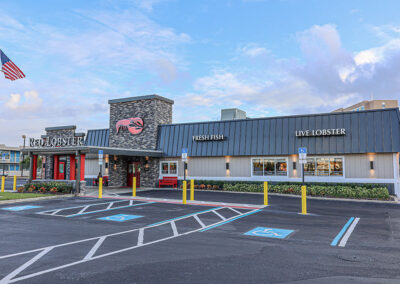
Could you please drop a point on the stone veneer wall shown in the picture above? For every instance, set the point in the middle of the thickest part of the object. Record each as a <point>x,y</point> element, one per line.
<point>153,112</point>
<point>49,167</point>
<point>149,178</point>
<point>118,176</point>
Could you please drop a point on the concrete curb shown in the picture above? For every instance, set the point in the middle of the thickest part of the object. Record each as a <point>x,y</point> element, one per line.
<point>396,201</point>
<point>34,199</point>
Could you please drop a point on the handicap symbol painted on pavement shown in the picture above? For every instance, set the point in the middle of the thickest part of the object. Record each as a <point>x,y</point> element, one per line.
<point>120,217</point>
<point>269,233</point>
<point>20,208</point>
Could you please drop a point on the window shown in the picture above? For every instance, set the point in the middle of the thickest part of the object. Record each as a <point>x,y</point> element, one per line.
<point>169,168</point>
<point>257,167</point>
<point>269,167</point>
<point>17,157</point>
<point>11,167</point>
<point>17,167</point>
<point>12,155</point>
<point>5,154</point>
<point>324,167</point>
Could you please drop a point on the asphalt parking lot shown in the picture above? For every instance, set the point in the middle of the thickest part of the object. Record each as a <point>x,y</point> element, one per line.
<point>149,240</point>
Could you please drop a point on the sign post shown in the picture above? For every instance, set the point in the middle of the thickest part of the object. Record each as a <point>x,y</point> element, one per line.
<point>302,160</point>
<point>184,160</point>
<point>101,162</point>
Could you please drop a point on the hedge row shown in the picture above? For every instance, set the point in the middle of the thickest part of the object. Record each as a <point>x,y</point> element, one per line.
<point>47,187</point>
<point>343,191</point>
<point>221,183</point>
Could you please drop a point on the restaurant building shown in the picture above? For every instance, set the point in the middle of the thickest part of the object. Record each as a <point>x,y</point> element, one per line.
<point>142,141</point>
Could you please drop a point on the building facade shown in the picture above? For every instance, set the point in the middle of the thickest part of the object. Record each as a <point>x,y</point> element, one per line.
<point>370,105</point>
<point>10,158</point>
<point>141,141</point>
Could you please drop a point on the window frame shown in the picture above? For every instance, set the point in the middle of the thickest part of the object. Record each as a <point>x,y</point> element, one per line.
<point>169,174</point>
<point>329,174</point>
<point>286,159</point>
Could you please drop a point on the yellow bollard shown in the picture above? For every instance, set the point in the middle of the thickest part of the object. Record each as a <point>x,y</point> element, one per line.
<point>134,187</point>
<point>184,192</point>
<point>101,187</point>
<point>303,199</point>
<point>15,183</point>
<point>2,183</point>
<point>265,193</point>
<point>192,189</point>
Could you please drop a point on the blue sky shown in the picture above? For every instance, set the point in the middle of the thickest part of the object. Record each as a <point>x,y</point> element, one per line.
<point>266,57</point>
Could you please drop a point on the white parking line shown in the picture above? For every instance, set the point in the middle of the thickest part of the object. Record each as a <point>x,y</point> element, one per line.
<point>349,232</point>
<point>174,229</point>
<point>199,221</point>
<point>100,239</point>
<point>95,248</point>
<point>219,215</point>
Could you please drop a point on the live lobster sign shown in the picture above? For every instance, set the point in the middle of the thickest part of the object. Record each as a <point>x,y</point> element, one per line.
<point>134,125</point>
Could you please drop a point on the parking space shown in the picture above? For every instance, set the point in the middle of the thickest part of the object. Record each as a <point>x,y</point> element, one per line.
<point>90,240</point>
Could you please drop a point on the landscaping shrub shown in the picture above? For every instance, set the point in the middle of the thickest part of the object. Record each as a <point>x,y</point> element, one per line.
<point>363,192</point>
<point>47,187</point>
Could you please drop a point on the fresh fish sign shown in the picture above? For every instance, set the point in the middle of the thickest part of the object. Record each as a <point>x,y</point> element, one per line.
<point>134,125</point>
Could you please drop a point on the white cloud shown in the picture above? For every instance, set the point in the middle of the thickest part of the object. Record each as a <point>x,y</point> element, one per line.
<point>31,101</point>
<point>253,50</point>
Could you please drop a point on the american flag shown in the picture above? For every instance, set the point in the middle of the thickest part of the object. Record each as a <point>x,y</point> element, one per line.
<point>10,70</point>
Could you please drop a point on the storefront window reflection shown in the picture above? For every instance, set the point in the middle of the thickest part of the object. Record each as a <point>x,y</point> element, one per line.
<point>169,168</point>
<point>257,167</point>
<point>269,167</point>
<point>324,167</point>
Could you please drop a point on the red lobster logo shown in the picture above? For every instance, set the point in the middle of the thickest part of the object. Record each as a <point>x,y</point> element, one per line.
<point>133,124</point>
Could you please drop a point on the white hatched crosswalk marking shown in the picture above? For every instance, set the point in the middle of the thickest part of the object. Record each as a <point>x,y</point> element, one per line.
<point>219,215</point>
<point>234,210</point>
<point>95,248</point>
<point>110,205</point>
<point>174,229</point>
<point>199,221</point>
<point>13,276</point>
<point>140,237</point>
<point>83,209</point>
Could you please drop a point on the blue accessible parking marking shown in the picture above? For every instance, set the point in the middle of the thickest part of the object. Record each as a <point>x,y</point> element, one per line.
<point>20,208</point>
<point>269,233</point>
<point>120,217</point>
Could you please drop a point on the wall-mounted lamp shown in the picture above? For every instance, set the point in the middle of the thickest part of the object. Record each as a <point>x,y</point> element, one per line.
<point>227,166</point>
<point>147,158</point>
<point>146,166</point>
<point>115,157</point>
<point>115,166</point>
<point>371,165</point>
<point>294,165</point>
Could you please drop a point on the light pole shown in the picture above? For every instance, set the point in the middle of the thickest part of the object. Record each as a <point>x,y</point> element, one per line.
<point>22,167</point>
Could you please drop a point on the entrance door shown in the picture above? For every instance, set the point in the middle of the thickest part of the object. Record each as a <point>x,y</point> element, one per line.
<point>61,170</point>
<point>133,171</point>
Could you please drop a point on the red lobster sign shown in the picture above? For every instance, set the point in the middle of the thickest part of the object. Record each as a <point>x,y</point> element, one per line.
<point>133,124</point>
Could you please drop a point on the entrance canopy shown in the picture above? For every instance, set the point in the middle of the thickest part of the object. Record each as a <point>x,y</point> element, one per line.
<point>93,150</point>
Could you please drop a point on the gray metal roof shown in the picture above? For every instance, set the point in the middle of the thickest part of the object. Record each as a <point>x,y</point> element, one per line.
<point>366,131</point>
<point>148,97</point>
<point>97,137</point>
<point>61,127</point>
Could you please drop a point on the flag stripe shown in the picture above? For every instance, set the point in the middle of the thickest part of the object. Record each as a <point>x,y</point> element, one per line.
<point>10,70</point>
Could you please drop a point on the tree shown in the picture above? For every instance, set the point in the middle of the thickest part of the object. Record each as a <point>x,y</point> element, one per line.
<point>25,163</point>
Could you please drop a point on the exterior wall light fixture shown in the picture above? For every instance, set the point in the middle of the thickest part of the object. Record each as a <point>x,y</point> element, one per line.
<point>294,165</point>
<point>227,166</point>
<point>371,165</point>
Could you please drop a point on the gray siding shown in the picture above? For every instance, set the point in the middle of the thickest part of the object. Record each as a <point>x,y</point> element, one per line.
<point>368,131</point>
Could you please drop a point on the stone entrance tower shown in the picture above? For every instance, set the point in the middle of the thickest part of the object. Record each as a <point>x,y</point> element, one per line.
<point>134,125</point>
